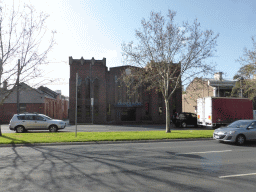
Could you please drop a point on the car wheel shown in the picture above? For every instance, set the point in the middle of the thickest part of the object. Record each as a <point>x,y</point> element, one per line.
<point>240,139</point>
<point>184,124</point>
<point>20,129</point>
<point>53,128</point>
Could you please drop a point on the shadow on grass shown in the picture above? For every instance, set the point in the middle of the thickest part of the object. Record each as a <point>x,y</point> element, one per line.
<point>14,141</point>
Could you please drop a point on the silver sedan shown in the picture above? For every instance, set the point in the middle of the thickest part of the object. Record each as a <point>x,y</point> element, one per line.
<point>237,132</point>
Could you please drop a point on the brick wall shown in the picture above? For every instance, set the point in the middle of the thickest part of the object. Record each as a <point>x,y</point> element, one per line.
<point>111,93</point>
<point>7,110</point>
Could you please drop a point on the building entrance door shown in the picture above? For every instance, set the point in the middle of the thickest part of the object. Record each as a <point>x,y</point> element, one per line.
<point>128,114</point>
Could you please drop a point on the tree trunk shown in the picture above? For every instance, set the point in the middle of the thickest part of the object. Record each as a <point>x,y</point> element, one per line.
<point>168,119</point>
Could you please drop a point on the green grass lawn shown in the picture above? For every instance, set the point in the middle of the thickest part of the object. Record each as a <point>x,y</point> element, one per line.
<point>17,138</point>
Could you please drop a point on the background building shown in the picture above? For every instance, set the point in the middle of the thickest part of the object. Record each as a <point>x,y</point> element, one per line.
<point>205,87</point>
<point>41,100</point>
<point>113,102</point>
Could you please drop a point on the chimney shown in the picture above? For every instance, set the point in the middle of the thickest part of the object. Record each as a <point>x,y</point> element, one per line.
<point>218,76</point>
<point>5,85</point>
<point>58,91</point>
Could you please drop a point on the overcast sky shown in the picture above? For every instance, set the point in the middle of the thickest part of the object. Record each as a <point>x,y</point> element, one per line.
<point>97,28</point>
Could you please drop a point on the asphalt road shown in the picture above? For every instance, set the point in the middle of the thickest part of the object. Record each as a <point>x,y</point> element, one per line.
<point>158,166</point>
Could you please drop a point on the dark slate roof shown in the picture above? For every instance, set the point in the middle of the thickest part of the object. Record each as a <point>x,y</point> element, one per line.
<point>48,92</point>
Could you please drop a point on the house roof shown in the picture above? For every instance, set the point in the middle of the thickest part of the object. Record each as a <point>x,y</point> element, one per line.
<point>216,83</point>
<point>48,92</point>
<point>22,86</point>
<point>220,83</point>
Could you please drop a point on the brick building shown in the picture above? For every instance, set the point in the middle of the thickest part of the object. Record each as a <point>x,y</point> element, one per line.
<point>111,101</point>
<point>41,100</point>
<point>55,104</point>
<point>205,87</point>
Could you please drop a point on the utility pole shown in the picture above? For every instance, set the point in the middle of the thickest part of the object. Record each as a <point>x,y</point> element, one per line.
<point>76,104</point>
<point>91,95</point>
<point>18,87</point>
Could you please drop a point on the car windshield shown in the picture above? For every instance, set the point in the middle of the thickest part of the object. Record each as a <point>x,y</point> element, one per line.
<point>46,117</point>
<point>239,124</point>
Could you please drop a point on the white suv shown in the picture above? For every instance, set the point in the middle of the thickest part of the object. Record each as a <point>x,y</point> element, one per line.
<point>31,121</point>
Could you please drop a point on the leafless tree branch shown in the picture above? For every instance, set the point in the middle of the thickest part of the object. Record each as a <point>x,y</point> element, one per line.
<point>169,53</point>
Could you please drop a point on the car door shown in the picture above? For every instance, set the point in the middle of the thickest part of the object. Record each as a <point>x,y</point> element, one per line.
<point>251,132</point>
<point>40,122</point>
<point>189,119</point>
<point>194,119</point>
<point>29,122</point>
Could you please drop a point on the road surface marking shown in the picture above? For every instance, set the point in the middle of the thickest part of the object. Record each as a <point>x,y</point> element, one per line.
<point>207,152</point>
<point>238,175</point>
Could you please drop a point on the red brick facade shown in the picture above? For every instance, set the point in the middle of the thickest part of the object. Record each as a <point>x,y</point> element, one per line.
<point>34,100</point>
<point>111,103</point>
<point>56,108</point>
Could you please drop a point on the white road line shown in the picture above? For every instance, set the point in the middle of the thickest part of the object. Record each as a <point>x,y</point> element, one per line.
<point>208,152</point>
<point>238,175</point>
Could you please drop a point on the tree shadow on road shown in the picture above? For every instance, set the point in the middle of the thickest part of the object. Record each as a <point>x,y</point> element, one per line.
<point>95,168</point>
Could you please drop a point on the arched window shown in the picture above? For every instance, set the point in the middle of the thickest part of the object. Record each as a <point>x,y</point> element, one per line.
<point>87,88</point>
<point>96,89</point>
<point>119,92</point>
<point>79,87</point>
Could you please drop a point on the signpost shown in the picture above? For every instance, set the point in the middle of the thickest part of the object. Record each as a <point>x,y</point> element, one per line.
<point>18,88</point>
<point>92,103</point>
<point>76,103</point>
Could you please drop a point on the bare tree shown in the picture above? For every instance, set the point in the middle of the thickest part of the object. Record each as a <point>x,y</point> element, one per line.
<point>23,36</point>
<point>170,54</point>
<point>246,75</point>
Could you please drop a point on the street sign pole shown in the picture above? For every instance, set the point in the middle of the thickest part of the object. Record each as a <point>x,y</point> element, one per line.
<point>76,103</point>
<point>18,88</point>
<point>92,103</point>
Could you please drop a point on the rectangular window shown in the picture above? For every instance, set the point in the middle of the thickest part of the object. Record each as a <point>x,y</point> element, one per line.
<point>21,117</point>
<point>30,117</point>
<point>39,118</point>
<point>22,107</point>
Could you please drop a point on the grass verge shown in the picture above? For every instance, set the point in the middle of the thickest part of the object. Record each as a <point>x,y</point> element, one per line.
<point>22,138</point>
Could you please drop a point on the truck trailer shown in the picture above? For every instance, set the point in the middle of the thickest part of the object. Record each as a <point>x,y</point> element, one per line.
<point>219,111</point>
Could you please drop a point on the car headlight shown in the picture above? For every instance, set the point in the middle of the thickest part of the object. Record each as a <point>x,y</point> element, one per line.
<point>61,123</point>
